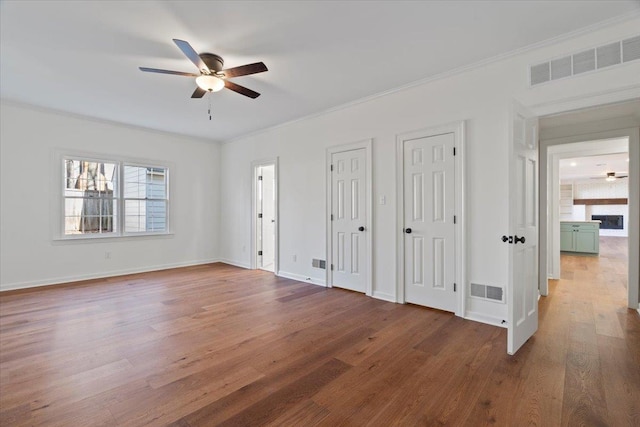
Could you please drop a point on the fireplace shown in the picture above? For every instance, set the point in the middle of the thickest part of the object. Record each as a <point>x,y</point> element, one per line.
<point>609,222</point>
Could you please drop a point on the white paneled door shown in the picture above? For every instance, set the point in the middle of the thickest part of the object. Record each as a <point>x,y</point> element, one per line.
<point>429,231</point>
<point>522,293</point>
<point>348,220</point>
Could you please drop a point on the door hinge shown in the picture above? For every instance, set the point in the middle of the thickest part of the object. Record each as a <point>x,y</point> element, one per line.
<point>454,151</point>
<point>260,178</point>
<point>331,217</point>
<point>259,215</point>
<point>331,168</point>
<point>259,253</point>
<point>331,267</point>
<point>454,219</point>
<point>454,287</point>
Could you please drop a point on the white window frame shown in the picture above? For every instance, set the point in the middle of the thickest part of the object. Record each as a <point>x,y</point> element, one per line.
<point>58,205</point>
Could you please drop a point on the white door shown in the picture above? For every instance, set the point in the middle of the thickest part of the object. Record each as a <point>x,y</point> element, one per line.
<point>266,218</point>
<point>429,189</point>
<point>348,220</point>
<point>522,292</point>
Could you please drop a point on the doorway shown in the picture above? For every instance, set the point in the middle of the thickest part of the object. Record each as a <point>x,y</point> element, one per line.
<point>589,129</point>
<point>265,225</point>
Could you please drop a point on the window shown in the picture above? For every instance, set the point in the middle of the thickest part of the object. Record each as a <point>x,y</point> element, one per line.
<point>113,198</point>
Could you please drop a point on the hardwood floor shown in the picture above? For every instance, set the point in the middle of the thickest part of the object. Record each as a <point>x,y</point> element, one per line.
<point>218,345</point>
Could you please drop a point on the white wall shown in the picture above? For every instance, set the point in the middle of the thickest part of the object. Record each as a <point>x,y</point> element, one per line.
<point>29,255</point>
<point>480,96</point>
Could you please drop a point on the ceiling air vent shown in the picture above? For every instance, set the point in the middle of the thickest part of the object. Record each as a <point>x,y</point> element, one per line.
<point>631,49</point>
<point>604,56</point>
<point>493,293</point>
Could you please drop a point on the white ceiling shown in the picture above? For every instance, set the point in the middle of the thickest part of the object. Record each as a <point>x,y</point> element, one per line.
<point>594,167</point>
<point>83,56</point>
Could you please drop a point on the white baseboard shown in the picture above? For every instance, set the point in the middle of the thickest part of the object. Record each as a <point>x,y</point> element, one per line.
<point>300,278</point>
<point>101,275</point>
<point>235,263</point>
<point>383,296</point>
<point>483,318</point>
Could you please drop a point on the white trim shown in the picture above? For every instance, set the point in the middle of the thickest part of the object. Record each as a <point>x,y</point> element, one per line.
<point>300,278</point>
<point>77,116</point>
<point>367,145</point>
<point>458,129</point>
<point>384,296</point>
<point>572,103</point>
<point>254,213</point>
<point>450,73</point>
<point>103,275</point>
<point>484,318</point>
<point>239,264</point>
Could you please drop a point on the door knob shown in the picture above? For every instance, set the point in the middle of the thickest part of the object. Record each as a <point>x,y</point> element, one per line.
<point>518,239</point>
<point>408,231</point>
<point>361,228</point>
<point>505,239</point>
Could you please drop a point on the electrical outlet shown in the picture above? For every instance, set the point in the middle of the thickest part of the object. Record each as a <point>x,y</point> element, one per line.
<point>294,258</point>
<point>107,255</point>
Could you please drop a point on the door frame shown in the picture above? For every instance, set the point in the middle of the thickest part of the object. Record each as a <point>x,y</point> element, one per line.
<point>458,130</point>
<point>554,149</point>
<point>590,100</point>
<point>254,212</point>
<point>367,145</point>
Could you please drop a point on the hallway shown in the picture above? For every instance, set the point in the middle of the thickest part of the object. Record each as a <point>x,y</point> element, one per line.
<point>597,335</point>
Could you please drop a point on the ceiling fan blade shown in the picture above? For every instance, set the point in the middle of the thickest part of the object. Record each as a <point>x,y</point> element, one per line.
<point>198,93</point>
<point>177,73</point>
<point>245,70</point>
<point>241,89</point>
<point>193,56</point>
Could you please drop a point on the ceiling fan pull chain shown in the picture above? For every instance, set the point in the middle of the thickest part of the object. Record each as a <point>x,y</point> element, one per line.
<point>209,111</point>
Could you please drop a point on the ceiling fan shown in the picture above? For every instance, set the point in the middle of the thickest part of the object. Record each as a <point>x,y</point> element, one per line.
<point>611,176</point>
<point>212,77</point>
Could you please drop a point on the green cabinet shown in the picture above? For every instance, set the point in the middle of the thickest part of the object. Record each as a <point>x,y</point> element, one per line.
<point>580,237</point>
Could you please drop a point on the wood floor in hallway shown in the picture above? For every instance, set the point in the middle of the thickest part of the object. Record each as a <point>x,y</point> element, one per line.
<point>218,345</point>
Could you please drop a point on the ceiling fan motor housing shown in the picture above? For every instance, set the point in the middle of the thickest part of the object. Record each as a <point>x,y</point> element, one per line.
<point>213,61</point>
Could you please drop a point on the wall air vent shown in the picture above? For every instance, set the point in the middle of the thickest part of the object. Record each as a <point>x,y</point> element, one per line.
<point>597,58</point>
<point>492,293</point>
<point>318,263</point>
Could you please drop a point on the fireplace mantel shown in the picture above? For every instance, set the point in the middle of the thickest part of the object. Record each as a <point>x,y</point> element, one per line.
<point>600,201</point>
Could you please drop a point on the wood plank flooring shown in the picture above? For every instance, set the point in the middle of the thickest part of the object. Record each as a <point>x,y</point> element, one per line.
<point>218,345</point>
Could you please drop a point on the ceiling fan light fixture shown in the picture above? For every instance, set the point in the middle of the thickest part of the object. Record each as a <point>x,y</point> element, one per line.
<point>209,83</point>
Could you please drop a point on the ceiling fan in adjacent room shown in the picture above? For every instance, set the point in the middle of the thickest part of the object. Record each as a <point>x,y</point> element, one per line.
<point>611,176</point>
<point>212,77</point>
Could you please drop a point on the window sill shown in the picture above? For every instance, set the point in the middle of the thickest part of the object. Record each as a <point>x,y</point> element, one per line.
<point>120,237</point>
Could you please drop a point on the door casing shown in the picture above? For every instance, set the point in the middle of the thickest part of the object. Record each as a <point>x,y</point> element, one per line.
<point>367,145</point>
<point>458,129</point>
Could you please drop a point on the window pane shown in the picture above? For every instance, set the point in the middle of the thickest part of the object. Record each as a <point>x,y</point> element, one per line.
<point>90,215</point>
<point>149,184</point>
<point>89,205</point>
<point>145,215</point>
<point>87,175</point>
